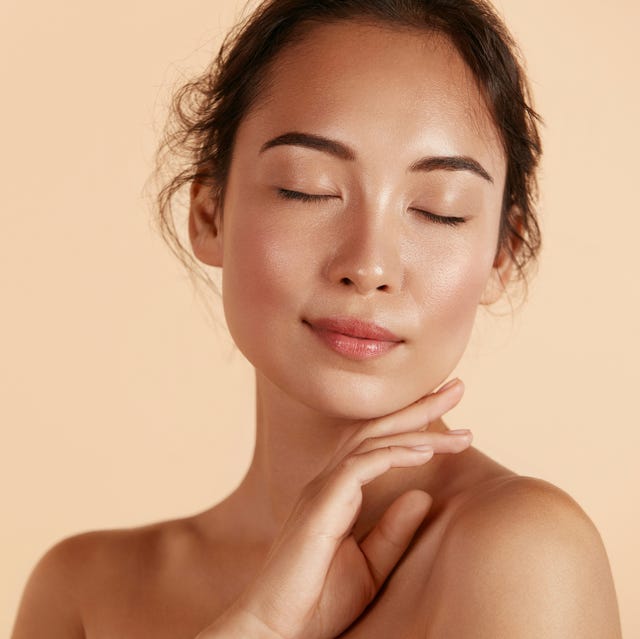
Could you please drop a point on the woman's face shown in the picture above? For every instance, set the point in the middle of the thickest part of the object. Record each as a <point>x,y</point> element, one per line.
<point>410,134</point>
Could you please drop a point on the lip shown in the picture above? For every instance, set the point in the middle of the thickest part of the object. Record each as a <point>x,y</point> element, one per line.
<point>354,327</point>
<point>354,338</point>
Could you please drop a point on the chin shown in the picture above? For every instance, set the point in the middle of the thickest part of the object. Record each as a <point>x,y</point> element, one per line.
<point>358,397</point>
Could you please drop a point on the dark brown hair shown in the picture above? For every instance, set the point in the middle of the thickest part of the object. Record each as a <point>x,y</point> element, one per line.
<point>207,111</point>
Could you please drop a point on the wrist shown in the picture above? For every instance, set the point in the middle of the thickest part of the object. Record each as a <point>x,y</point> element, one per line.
<point>238,624</point>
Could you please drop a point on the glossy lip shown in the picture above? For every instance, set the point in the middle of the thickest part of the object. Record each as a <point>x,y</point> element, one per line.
<point>354,327</point>
<point>352,337</point>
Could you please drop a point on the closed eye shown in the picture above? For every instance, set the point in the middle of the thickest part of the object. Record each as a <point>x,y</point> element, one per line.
<point>308,197</point>
<point>441,219</point>
<point>304,197</point>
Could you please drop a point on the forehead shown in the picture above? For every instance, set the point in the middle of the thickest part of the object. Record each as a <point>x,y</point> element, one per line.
<point>390,93</point>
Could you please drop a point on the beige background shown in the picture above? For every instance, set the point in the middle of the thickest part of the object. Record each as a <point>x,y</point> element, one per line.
<point>121,404</point>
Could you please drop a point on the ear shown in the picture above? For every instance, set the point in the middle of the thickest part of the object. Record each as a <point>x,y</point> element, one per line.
<point>503,267</point>
<point>205,225</point>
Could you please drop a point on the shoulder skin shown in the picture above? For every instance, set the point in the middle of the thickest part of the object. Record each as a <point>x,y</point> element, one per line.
<point>82,571</point>
<point>50,603</point>
<point>521,560</point>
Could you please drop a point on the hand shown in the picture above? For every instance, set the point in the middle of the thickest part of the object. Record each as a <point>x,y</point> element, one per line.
<point>317,579</point>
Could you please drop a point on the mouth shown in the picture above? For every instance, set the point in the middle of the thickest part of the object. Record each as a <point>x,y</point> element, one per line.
<point>354,338</point>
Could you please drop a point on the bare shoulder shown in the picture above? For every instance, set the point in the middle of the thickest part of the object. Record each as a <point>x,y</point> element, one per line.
<point>521,558</point>
<point>96,566</point>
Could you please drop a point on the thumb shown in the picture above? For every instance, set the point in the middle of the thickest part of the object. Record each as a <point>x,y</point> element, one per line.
<point>387,542</point>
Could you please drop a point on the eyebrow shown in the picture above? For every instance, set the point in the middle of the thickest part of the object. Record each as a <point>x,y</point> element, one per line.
<point>343,152</point>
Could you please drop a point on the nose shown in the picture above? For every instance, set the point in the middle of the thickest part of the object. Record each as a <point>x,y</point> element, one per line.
<point>367,256</point>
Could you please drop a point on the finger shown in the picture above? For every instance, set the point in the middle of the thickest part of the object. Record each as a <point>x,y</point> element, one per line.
<point>330,511</point>
<point>447,442</point>
<point>415,416</point>
<point>387,542</point>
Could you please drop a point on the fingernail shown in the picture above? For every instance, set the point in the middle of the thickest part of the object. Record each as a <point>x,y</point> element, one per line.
<point>449,384</point>
<point>459,431</point>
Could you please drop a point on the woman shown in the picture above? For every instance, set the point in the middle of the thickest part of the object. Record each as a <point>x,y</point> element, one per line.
<point>364,175</point>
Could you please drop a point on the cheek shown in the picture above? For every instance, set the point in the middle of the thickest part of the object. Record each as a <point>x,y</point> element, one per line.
<point>451,292</point>
<point>257,277</point>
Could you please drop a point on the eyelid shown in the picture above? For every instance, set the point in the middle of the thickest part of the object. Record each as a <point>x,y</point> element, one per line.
<point>305,197</point>
<point>442,219</point>
<point>309,197</point>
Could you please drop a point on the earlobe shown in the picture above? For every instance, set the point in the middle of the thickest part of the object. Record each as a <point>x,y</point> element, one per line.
<point>205,228</point>
<point>503,265</point>
<point>498,278</point>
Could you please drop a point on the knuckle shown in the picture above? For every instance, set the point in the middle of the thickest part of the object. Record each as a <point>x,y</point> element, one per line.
<point>347,463</point>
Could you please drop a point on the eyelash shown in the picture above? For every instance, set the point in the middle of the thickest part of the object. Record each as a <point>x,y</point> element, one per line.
<point>306,197</point>
<point>442,219</point>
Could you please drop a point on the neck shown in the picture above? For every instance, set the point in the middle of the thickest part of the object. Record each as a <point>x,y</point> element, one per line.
<point>294,443</point>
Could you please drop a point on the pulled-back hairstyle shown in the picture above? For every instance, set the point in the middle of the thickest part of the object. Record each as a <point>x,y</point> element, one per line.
<point>207,110</point>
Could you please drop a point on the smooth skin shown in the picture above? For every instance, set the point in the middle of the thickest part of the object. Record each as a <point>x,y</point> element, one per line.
<point>335,512</point>
<point>318,578</point>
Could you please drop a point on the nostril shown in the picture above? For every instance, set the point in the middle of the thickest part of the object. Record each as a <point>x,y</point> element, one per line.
<point>349,282</point>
